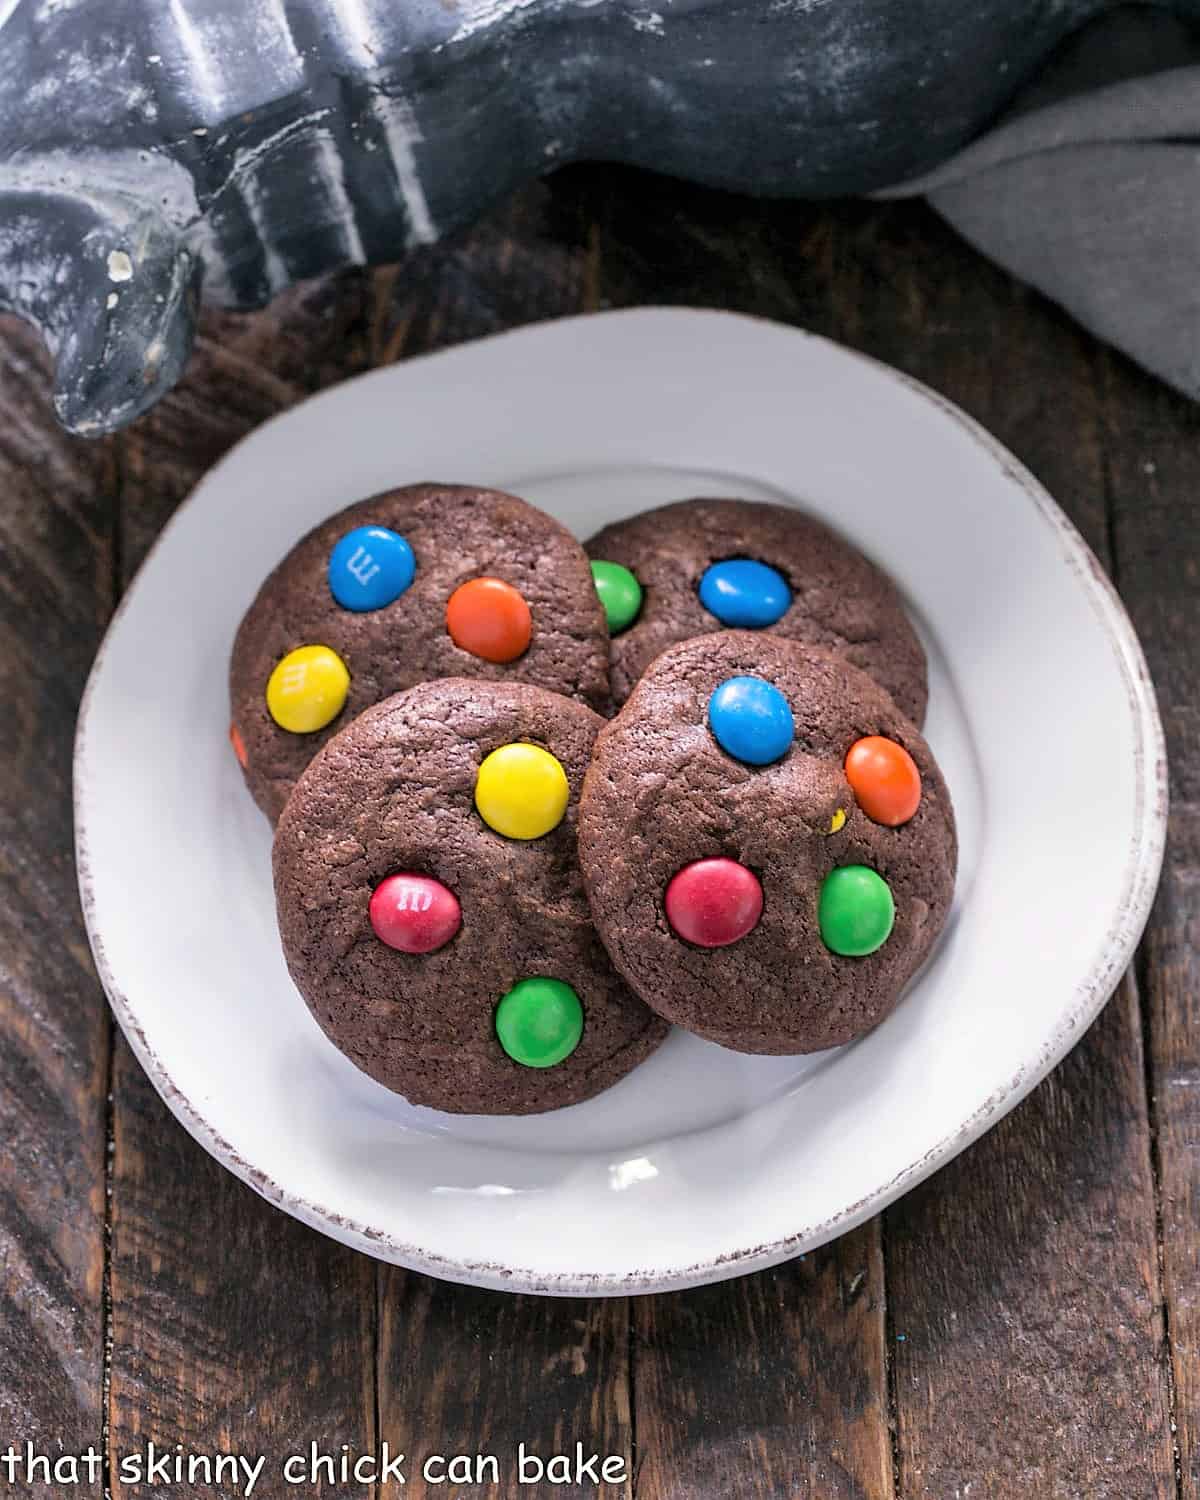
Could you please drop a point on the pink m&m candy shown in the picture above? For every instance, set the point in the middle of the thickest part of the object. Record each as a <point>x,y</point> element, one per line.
<point>414,913</point>
<point>714,902</point>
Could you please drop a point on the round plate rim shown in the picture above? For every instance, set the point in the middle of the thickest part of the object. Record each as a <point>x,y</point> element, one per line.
<point>1140,883</point>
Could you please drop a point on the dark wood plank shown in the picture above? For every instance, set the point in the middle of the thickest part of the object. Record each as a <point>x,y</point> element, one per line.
<point>56,529</point>
<point>767,1386</point>
<point>234,1328</point>
<point>1154,478</point>
<point>1027,1328</point>
<point>470,1372</point>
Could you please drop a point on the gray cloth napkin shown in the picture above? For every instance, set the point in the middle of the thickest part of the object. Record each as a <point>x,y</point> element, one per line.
<point>1089,188</point>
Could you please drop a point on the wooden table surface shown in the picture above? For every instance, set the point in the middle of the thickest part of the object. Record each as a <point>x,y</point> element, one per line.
<point>1026,1324</point>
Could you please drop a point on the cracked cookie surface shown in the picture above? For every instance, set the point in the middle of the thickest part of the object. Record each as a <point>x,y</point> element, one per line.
<point>456,534</point>
<point>839,599</point>
<point>395,792</point>
<point>662,794</point>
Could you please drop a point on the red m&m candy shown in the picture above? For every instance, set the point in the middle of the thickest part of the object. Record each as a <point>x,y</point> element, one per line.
<point>714,902</point>
<point>884,779</point>
<point>414,913</point>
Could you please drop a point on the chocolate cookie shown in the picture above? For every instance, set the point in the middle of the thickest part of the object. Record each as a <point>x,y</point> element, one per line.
<point>432,580</point>
<point>767,844</point>
<point>432,910</point>
<point>702,564</point>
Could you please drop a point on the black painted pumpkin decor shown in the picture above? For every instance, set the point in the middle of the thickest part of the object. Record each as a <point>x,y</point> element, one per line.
<point>151,148</point>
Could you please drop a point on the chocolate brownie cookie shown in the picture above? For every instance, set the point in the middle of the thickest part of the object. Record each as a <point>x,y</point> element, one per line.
<point>432,580</point>
<point>767,843</point>
<point>432,909</point>
<point>701,564</point>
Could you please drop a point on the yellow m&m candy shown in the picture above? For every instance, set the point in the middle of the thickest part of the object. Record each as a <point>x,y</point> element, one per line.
<point>521,791</point>
<point>307,690</point>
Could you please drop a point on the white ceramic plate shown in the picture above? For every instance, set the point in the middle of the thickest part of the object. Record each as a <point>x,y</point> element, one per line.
<point>702,1164</point>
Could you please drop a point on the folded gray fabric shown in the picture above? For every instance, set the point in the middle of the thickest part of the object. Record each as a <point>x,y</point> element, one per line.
<point>1089,189</point>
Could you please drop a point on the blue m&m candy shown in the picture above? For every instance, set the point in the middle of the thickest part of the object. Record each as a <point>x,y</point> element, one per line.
<point>751,720</point>
<point>370,567</point>
<point>744,593</point>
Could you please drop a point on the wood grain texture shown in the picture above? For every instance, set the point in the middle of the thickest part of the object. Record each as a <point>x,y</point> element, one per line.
<point>234,1328</point>
<point>56,509</point>
<point>1153,447</point>
<point>464,1371</point>
<point>770,1385</point>
<point>1027,1330</point>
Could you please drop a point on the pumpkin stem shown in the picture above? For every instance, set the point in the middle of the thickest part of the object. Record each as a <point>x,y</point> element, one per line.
<point>113,290</point>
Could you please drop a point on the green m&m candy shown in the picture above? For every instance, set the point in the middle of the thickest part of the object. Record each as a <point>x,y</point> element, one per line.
<point>855,911</point>
<point>620,594</point>
<point>539,1022</point>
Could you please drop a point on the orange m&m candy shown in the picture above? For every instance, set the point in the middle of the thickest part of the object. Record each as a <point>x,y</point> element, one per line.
<point>884,779</point>
<point>490,619</point>
<point>239,745</point>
